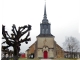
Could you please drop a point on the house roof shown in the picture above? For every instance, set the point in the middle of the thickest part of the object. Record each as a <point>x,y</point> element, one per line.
<point>69,52</point>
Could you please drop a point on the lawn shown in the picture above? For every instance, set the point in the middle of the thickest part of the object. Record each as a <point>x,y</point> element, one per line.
<point>39,59</point>
<point>26,59</point>
<point>52,59</point>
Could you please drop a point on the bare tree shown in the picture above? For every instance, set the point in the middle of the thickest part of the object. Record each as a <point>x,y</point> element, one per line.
<point>15,38</point>
<point>71,45</point>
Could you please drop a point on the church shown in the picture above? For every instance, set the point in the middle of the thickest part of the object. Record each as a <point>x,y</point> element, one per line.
<point>45,46</point>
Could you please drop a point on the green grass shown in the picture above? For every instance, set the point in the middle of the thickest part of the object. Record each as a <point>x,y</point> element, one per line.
<point>65,59</point>
<point>39,59</point>
<point>22,58</point>
<point>26,59</point>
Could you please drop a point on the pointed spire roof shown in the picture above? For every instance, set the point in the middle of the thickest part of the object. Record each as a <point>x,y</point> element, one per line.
<point>45,20</point>
<point>45,15</point>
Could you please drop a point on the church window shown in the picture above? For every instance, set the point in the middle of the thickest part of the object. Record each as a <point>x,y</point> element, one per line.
<point>42,31</point>
<point>46,31</point>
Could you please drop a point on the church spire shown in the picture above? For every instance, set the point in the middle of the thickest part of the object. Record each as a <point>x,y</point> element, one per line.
<point>45,30</point>
<point>45,15</point>
<point>45,20</point>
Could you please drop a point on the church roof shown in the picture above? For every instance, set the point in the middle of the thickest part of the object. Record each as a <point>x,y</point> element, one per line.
<point>45,35</point>
<point>32,44</point>
<point>59,46</point>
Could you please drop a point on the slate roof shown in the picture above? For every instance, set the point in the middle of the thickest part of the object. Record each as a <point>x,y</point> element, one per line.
<point>45,35</point>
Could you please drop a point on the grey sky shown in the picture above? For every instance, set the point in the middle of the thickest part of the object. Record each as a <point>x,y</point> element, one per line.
<point>62,14</point>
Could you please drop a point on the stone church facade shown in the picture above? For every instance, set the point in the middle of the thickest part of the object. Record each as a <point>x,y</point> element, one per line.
<point>45,46</point>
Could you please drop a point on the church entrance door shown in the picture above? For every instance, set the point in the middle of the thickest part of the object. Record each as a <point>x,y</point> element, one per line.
<point>45,54</point>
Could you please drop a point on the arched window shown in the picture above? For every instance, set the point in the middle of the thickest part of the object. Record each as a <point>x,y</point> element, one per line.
<point>42,31</point>
<point>46,31</point>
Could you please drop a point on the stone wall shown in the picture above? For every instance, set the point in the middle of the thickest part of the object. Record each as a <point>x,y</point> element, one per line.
<point>39,53</point>
<point>48,41</point>
<point>59,52</point>
<point>32,48</point>
<point>46,44</point>
<point>51,53</point>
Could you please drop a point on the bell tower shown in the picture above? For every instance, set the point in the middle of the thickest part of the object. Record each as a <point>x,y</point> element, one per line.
<point>45,25</point>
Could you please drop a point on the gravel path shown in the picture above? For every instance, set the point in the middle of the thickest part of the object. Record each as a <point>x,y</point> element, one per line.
<point>78,59</point>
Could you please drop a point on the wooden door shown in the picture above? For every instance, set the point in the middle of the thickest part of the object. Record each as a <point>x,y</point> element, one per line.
<point>45,54</point>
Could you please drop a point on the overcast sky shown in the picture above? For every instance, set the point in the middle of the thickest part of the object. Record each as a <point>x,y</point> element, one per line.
<point>62,14</point>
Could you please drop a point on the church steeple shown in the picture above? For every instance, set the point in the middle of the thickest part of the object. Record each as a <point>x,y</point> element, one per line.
<point>45,25</point>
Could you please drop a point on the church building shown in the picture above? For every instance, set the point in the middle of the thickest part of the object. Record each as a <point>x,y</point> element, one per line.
<point>45,46</point>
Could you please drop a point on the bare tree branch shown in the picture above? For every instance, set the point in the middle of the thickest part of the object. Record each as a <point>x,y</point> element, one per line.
<point>14,39</point>
<point>29,28</point>
<point>5,47</point>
